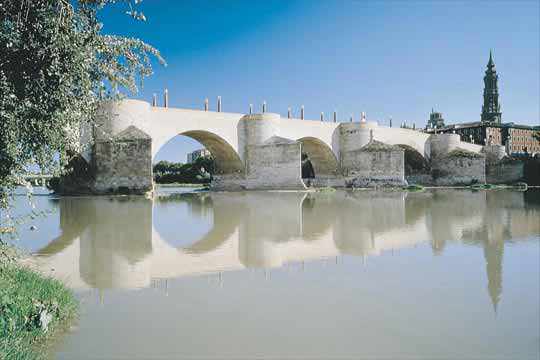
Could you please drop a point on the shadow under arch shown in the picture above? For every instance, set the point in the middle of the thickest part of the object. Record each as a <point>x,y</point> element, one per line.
<point>227,159</point>
<point>415,162</point>
<point>321,155</point>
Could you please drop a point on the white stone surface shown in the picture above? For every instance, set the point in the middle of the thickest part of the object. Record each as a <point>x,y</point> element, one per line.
<point>162,124</point>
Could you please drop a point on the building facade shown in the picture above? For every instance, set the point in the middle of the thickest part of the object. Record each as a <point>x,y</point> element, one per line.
<point>518,139</point>
<point>192,156</point>
<point>436,120</point>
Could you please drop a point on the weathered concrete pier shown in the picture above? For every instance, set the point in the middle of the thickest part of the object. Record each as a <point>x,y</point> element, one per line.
<point>263,151</point>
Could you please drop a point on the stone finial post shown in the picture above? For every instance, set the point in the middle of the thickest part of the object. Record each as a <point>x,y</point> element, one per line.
<point>370,135</point>
<point>322,116</point>
<point>250,109</point>
<point>264,107</point>
<point>302,112</point>
<point>219,104</point>
<point>390,121</point>
<point>414,126</point>
<point>206,104</point>
<point>351,118</point>
<point>166,98</point>
<point>154,100</point>
<point>335,116</point>
<point>289,114</point>
<point>363,117</point>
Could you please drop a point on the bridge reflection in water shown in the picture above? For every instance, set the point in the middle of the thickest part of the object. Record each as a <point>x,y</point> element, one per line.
<point>113,242</point>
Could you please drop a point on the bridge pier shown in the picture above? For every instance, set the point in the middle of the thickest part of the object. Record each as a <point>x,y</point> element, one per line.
<point>123,164</point>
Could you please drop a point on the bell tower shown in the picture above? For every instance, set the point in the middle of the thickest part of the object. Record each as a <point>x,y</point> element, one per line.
<point>491,110</point>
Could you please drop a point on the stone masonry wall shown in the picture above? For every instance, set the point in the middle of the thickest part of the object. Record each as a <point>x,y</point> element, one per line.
<point>274,166</point>
<point>228,182</point>
<point>123,165</point>
<point>506,171</point>
<point>374,165</point>
<point>458,168</point>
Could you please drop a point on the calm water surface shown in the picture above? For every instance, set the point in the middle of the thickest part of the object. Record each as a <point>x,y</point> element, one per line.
<point>440,274</point>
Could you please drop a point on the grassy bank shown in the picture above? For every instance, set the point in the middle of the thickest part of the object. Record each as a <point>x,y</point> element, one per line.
<point>33,309</point>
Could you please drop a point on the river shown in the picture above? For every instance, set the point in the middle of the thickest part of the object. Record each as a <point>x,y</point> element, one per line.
<point>438,274</point>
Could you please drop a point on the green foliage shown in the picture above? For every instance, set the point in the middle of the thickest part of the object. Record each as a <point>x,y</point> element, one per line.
<point>199,172</point>
<point>414,188</point>
<point>56,66</point>
<point>32,308</point>
<point>460,153</point>
<point>326,189</point>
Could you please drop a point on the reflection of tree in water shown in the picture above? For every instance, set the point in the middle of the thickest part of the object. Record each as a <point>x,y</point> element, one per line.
<point>199,204</point>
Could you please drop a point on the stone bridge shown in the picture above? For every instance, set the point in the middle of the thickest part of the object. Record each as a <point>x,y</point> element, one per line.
<point>256,151</point>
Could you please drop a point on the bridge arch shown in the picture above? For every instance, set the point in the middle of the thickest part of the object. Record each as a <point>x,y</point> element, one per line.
<point>415,162</point>
<point>227,159</point>
<point>321,155</point>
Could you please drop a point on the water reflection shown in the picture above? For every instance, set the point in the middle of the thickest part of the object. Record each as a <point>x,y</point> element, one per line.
<point>114,243</point>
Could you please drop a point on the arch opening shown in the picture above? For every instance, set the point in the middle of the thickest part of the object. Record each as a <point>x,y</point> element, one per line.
<point>415,163</point>
<point>226,159</point>
<point>325,163</point>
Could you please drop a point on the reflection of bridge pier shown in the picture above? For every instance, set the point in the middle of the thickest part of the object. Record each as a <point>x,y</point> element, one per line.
<point>272,219</point>
<point>368,223</point>
<point>109,242</point>
<point>111,258</point>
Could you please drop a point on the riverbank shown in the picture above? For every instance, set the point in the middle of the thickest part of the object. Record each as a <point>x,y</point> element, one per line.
<point>186,185</point>
<point>33,309</point>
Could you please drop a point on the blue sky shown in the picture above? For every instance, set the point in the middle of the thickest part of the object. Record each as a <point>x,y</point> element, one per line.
<point>387,58</point>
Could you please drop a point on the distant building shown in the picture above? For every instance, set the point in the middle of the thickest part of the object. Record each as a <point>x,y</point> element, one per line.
<point>192,156</point>
<point>436,120</point>
<point>404,125</point>
<point>518,139</point>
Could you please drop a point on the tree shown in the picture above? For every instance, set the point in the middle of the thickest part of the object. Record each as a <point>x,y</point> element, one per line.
<point>200,171</point>
<point>56,66</point>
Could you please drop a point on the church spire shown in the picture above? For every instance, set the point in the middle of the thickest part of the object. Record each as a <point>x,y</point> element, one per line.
<point>491,110</point>
<point>490,64</point>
